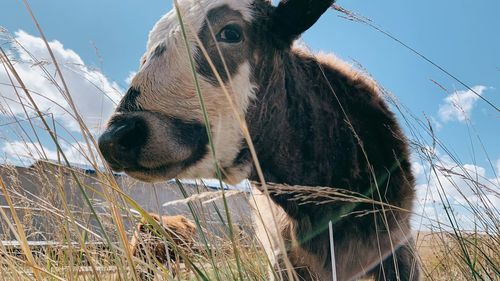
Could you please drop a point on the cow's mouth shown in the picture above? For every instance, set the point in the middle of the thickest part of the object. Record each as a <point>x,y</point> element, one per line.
<point>162,173</point>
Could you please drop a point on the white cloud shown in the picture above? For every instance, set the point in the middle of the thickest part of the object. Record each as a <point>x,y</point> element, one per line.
<point>458,106</point>
<point>467,188</point>
<point>130,76</point>
<point>93,94</point>
<point>417,169</point>
<point>26,153</point>
<point>435,123</point>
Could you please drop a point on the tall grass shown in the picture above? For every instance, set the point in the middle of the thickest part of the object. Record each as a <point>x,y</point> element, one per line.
<point>90,224</point>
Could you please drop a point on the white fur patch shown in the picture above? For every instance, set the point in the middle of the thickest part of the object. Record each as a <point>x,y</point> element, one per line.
<point>227,134</point>
<point>266,230</point>
<point>193,15</point>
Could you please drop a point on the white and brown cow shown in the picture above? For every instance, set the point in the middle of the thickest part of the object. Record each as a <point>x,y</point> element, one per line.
<point>314,121</point>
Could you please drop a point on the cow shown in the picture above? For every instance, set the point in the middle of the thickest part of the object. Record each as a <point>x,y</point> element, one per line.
<point>148,244</point>
<point>314,121</point>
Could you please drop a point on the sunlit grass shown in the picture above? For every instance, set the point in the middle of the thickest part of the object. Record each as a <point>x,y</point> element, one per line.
<point>90,240</point>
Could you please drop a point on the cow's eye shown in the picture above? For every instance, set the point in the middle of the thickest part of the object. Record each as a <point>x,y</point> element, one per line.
<point>230,34</point>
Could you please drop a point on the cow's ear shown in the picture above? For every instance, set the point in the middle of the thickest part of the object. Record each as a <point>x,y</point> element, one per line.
<point>292,17</point>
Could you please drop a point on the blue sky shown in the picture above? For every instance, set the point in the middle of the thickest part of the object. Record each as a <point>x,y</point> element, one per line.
<point>462,36</point>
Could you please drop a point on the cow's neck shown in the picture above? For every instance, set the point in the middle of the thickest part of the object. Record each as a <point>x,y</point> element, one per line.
<point>295,125</point>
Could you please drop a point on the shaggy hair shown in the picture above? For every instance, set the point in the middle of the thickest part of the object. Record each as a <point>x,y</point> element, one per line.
<point>147,244</point>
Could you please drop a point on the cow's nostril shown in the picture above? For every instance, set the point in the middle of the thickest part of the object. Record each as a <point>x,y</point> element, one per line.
<point>122,142</point>
<point>130,136</point>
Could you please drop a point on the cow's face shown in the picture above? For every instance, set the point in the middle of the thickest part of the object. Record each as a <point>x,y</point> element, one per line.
<point>158,130</point>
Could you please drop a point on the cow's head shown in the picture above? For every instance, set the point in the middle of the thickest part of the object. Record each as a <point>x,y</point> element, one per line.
<point>158,130</point>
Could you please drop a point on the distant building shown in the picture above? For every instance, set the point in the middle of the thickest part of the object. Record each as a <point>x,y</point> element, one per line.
<point>38,191</point>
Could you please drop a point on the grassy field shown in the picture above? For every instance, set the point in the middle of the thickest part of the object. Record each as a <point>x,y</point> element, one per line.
<point>472,256</point>
<point>91,239</point>
<point>442,256</point>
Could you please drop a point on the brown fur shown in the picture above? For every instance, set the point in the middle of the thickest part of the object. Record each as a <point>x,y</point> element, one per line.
<point>335,132</point>
<point>146,243</point>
